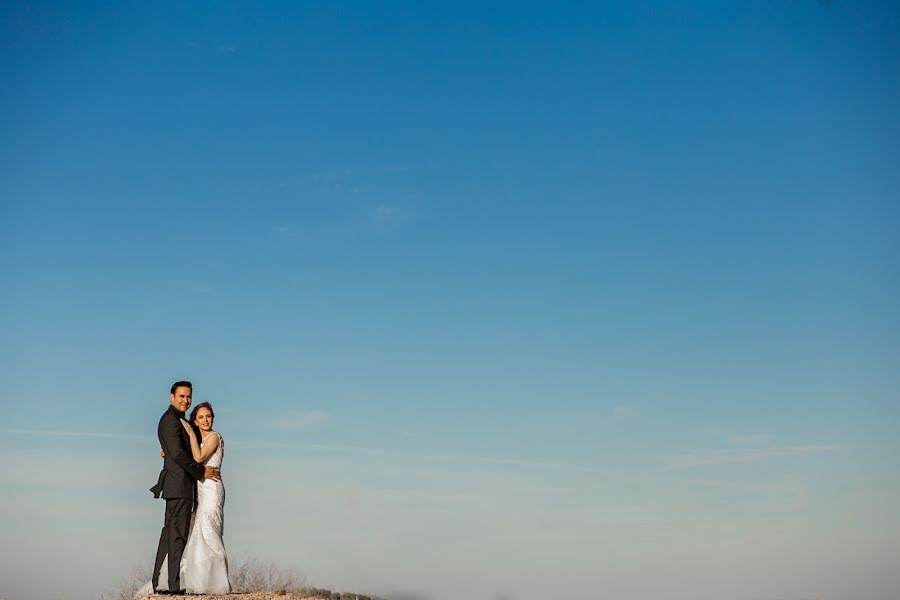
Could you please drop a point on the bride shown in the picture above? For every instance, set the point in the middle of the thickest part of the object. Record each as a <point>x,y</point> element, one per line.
<point>204,565</point>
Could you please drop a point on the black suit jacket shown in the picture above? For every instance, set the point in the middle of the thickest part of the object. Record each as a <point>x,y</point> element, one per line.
<point>180,471</point>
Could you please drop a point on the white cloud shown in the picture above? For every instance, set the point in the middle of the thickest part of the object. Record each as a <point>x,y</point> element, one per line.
<point>299,419</point>
<point>724,456</point>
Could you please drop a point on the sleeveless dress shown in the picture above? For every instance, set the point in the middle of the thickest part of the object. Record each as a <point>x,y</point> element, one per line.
<point>204,564</point>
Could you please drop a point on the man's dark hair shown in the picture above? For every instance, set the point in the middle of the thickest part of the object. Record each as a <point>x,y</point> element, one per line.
<point>179,384</point>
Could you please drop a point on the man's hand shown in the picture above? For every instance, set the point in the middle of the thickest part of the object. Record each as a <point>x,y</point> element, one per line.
<point>162,453</point>
<point>211,473</point>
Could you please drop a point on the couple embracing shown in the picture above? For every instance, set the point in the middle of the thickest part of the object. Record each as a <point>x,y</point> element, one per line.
<point>191,554</point>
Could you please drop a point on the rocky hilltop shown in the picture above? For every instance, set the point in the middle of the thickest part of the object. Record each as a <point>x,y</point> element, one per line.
<point>311,594</point>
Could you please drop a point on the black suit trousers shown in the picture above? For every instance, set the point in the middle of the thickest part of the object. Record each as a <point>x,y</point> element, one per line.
<point>173,539</point>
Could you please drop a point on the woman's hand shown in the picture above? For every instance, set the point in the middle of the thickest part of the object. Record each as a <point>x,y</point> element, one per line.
<point>187,427</point>
<point>192,438</point>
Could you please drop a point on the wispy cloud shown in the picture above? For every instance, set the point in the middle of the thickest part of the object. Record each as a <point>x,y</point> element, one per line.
<point>300,419</point>
<point>752,439</point>
<point>199,288</point>
<point>383,211</point>
<point>533,464</point>
<point>307,446</point>
<point>282,229</point>
<point>414,455</point>
<point>624,410</point>
<point>724,456</point>
<point>349,179</point>
<point>214,263</point>
<point>507,461</point>
<point>742,486</point>
<point>92,434</point>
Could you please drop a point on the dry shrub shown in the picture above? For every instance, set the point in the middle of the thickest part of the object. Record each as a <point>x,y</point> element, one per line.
<point>254,575</point>
<point>128,587</point>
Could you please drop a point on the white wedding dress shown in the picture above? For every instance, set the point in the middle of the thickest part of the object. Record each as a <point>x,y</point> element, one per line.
<point>204,565</point>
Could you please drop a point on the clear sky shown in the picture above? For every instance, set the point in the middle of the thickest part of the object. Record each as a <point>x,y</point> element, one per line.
<point>493,300</point>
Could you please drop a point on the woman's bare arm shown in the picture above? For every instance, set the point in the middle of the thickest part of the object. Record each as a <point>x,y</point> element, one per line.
<point>210,444</point>
<point>201,455</point>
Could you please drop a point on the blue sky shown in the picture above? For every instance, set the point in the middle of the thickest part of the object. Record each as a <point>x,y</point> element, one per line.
<point>580,298</point>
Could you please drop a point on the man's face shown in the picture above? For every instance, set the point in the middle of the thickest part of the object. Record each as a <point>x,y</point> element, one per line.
<point>181,399</point>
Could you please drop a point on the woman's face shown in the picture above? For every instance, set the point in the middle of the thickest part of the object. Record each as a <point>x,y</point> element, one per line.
<point>204,419</point>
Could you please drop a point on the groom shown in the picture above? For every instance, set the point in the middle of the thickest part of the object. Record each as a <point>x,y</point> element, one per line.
<point>177,484</point>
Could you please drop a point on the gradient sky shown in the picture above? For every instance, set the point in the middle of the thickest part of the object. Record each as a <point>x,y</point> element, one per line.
<point>509,300</point>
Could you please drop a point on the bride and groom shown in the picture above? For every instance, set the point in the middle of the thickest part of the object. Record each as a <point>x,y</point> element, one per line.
<point>191,555</point>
